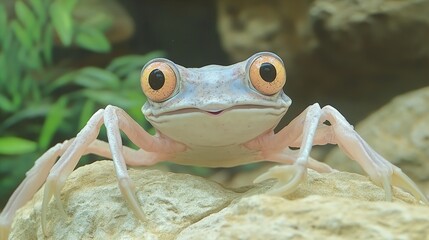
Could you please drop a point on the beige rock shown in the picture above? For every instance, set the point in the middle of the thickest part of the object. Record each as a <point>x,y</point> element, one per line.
<point>341,31</point>
<point>179,206</point>
<point>400,132</point>
<point>354,55</point>
<point>247,27</point>
<point>96,209</point>
<point>313,217</point>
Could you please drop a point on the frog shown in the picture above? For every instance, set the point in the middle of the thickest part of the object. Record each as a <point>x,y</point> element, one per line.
<point>213,116</point>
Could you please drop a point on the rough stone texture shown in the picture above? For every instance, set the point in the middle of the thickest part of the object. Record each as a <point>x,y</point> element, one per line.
<point>179,206</point>
<point>314,217</point>
<point>97,210</point>
<point>247,27</point>
<point>400,132</point>
<point>354,55</point>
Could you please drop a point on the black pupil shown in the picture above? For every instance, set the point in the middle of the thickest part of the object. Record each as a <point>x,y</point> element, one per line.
<point>156,79</point>
<point>268,72</point>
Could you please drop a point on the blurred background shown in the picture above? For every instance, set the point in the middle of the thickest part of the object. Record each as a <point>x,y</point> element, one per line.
<point>61,60</point>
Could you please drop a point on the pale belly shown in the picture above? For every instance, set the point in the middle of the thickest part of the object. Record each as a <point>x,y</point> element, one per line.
<point>219,156</point>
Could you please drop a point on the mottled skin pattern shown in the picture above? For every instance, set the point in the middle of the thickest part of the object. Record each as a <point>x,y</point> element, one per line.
<point>215,116</point>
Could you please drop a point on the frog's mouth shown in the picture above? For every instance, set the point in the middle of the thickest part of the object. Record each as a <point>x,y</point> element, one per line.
<point>218,112</point>
<point>215,112</point>
<point>218,125</point>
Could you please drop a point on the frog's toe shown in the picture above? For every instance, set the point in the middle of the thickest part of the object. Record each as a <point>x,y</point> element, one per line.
<point>128,192</point>
<point>401,180</point>
<point>289,178</point>
<point>53,186</point>
<point>390,176</point>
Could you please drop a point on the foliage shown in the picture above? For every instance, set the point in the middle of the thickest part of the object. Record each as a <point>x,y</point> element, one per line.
<point>40,102</point>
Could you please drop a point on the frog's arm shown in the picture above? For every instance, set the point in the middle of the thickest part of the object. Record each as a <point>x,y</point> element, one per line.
<point>320,126</point>
<point>55,174</point>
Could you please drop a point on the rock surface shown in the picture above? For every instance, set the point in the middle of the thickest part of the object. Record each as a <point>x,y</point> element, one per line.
<point>179,206</point>
<point>354,55</point>
<point>400,132</point>
<point>314,217</point>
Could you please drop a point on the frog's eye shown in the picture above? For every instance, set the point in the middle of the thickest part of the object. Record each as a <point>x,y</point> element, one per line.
<point>267,74</point>
<point>158,81</point>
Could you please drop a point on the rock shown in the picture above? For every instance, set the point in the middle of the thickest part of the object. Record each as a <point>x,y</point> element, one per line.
<point>350,35</point>
<point>97,210</point>
<point>313,217</point>
<point>371,34</point>
<point>399,131</point>
<point>354,55</point>
<point>180,206</point>
<point>247,27</point>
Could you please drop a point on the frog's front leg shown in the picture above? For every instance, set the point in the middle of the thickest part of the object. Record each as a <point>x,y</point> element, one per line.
<point>115,120</point>
<point>290,176</point>
<point>333,128</point>
<point>153,149</point>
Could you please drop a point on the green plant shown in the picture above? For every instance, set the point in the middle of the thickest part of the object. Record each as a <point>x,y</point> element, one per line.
<point>26,62</point>
<point>43,102</point>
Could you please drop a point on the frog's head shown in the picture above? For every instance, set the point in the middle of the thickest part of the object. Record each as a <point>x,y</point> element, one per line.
<point>215,105</point>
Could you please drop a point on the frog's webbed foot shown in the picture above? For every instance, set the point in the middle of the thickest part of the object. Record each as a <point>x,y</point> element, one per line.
<point>54,174</point>
<point>380,171</point>
<point>289,177</point>
<point>129,193</point>
<point>398,179</point>
<point>52,189</point>
<point>320,126</point>
<point>401,180</point>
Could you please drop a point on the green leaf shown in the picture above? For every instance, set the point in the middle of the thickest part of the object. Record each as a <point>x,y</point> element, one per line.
<point>22,35</point>
<point>93,40</point>
<point>97,78</point>
<point>105,97</point>
<point>36,91</point>
<point>3,22</point>
<point>133,95</point>
<point>95,20</point>
<point>121,66</point>
<point>63,23</point>
<point>23,12</point>
<point>30,112</point>
<point>62,81</point>
<point>3,72</point>
<point>5,104</point>
<point>7,42</point>
<point>16,145</point>
<point>54,119</point>
<point>87,111</point>
<point>27,18</point>
<point>68,5</point>
<point>33,60</point>
<point>132,80</point>
<point>48,44</point>
<point>40,9</point>
<point>26,85</point>
<point>29,58</point>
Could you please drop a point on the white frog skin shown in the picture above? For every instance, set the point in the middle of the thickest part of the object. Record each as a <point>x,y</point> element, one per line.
<point>214,116</point>
<point>215,111</point>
